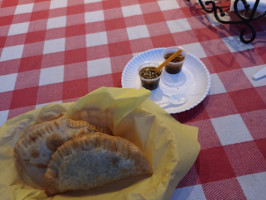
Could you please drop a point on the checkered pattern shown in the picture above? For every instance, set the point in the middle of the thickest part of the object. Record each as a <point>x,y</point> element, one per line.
<point>58,51</point>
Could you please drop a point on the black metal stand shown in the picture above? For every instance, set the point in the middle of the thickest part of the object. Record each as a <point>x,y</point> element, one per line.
<point>245,17</point>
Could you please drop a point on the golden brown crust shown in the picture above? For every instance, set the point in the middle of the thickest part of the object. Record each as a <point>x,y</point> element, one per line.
<point>71,123</point>
<point>42,140</point>
<point>53,141</point>
<point>78,123</point>
<point>118,150</point>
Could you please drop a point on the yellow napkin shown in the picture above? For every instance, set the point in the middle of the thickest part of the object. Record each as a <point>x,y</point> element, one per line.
<point>170,146</point>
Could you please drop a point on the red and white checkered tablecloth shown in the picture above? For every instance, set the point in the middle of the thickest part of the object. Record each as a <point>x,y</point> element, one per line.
<point>59,50</point>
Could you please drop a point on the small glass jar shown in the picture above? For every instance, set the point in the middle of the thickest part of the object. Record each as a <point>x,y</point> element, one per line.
<point>175,66</point>
<point>149,78</point>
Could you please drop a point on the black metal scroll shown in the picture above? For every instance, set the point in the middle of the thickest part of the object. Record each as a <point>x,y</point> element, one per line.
<point>244,17</point>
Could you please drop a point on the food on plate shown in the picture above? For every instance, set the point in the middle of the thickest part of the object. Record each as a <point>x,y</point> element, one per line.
<point>149,77</point>
<point>38,144</point>
<point>178,58</point>
<point>149,73</point>
<point>93,160</point>
<point>175,66</point>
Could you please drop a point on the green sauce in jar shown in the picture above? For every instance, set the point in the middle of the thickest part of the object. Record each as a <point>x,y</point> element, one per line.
<point>149,77</point>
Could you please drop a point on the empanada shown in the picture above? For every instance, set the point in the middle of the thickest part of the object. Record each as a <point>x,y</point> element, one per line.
<point>73,123</point>
<point>93,160</point>
<point>37,146</point>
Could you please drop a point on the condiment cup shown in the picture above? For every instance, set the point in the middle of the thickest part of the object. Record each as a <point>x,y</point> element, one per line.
<point>174,67</point>
<point>149,83</point>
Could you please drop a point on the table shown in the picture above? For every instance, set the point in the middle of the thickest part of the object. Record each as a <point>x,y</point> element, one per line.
<point>58,51</point>
<point>244,12</point>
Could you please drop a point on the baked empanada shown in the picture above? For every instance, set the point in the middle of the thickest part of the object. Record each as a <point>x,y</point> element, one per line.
<point>37,146</point>
<point>93,160</point>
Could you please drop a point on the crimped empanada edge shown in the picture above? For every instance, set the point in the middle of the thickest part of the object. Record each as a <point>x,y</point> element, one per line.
<point>46,128</point>
<point>87,142</point>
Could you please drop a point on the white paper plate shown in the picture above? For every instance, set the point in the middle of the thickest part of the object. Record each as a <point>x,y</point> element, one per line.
<point>176,92</point>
